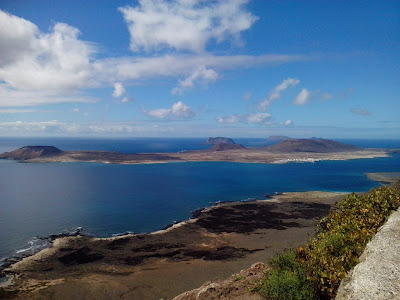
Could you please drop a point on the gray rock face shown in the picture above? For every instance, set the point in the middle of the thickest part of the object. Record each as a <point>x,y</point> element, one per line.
<point>377,276</point>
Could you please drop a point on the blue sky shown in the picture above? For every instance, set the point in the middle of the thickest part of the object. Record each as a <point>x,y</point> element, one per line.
<point>200,68</point>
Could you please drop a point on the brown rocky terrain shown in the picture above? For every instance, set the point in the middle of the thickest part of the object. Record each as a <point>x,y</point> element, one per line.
<point>218,242</point>
<point>312,145</point>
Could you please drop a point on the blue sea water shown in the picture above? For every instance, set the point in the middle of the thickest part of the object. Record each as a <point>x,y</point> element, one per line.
<point>37,200</point>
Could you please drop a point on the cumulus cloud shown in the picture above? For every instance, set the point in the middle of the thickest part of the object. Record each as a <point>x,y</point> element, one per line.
<point>51,67</point>
<point>276,93</point>
<point>303,97</point>
<point>256,118</point>
<point>201,74</point>
<point>126,100</point>
<point>288,123</point>
<point>54,60</point>
<point>178,111</point>
<point>360,111</point>
<point>119,90</point>
<point>184,25</point>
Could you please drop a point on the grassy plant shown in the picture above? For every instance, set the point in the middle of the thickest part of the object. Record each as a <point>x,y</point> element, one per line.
<point>287,279</point>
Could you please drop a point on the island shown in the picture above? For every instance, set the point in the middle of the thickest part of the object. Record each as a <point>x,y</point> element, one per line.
<point>293,150</point>
<point>219,140</point>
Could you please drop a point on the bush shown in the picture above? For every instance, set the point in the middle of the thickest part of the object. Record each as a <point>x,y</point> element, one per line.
<point>316,270</point>
<point>342,236</point>
<point>287,279</point>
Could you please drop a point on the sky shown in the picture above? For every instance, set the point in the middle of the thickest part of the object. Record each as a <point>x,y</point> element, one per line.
<point>190,68</point>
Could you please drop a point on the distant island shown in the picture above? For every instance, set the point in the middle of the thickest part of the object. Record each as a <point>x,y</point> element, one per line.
<point>219,140</point>
<point>224,149</point>
<point>278,138</point>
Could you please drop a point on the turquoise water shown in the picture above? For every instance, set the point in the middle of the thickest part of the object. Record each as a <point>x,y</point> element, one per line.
<point>42,199</point>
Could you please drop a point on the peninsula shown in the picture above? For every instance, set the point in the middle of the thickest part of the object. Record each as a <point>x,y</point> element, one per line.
<point>293,150</point>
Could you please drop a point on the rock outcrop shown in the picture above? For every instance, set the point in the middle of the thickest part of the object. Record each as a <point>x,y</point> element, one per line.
<point>219,140</point>
<point>377,276</point>
<point>237,287</point>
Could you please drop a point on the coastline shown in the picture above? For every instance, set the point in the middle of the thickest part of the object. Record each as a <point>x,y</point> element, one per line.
<point>248,155</point>
<point>203,242</point>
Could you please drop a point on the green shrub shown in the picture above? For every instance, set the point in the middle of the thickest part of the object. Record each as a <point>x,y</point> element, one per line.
<point>287,279</point>
<point>316,270</point>
<point>342,236</point>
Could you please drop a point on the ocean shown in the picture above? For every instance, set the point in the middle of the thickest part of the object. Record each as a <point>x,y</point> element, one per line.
<point>37,200</point>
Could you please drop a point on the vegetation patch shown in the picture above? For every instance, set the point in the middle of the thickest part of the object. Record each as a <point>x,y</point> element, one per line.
<point>315,270</point>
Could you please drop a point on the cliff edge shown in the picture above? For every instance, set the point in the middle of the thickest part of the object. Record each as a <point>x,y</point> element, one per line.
<point>377,276</point>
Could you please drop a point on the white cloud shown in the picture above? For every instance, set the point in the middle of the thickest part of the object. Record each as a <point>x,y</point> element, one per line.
<point>230,119</point>
<point>360,111</point>
<point>201,74</point>
<point>178,111</point>
<point>126,100</point>
<point>276,93</point>
<point>11,97</point>
<point>38,68</point>
<point>119,90</point>
<point>173,66</point>
<point>75,109</point>
<point>184,24</point>
<point>303,97</point>
<point>256,118</point>
<point>41,68</point>
<point>20,111</point>
<point>288,123</point>
<point>55,60</point>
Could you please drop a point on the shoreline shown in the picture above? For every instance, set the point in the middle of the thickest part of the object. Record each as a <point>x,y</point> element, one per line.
<point>225,243</point>
<point>224,250</point>
<point>247,155</point>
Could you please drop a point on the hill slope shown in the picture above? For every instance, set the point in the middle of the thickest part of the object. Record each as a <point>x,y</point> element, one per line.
<point>30,152</point>
<point>311,145</point>
<point>219,140</point>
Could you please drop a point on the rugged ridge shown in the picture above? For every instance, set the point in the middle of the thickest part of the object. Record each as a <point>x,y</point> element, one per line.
<point>31,152</point>
<point>224,147</point>
<point>219,140</point>
<point>311,145</point>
